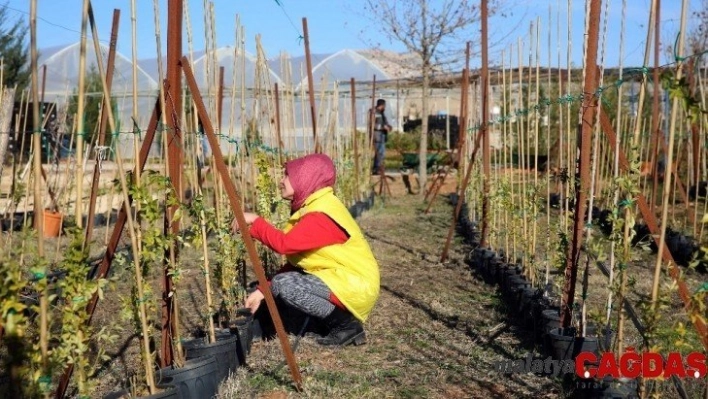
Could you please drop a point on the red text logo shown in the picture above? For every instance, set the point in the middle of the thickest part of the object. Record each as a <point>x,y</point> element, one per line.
<point>632,364</point>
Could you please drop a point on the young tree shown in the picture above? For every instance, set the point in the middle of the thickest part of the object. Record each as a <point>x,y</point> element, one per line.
<point>13,50</point>
<point>433,30</point>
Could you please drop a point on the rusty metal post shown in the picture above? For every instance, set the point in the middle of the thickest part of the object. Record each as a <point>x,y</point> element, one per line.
<point>110,64</point>
<point>310,85</point>
<point>238,213</point>
<point>486,167</point>
<point>588,119</point>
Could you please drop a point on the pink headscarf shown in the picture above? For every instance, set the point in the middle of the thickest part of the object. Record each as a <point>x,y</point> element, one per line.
<point>309,174</point>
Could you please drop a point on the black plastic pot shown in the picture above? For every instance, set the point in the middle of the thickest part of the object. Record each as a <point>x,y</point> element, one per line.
<point>510,274</point>
<point>195,380</point>
<point>242,328</point>
<point>524,305</point>
<point>488,262</point>
<point>362,206</point>
<point>224,350</point>
<point>495,270</point>
<point>169,393</point>
<point>566,346</point>
<point>499,273</point>
<point>515,285</point>
<point>353,210</point>
<point>551,320</point>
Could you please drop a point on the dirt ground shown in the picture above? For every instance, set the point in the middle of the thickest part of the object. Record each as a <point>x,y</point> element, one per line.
<point>436,330</point>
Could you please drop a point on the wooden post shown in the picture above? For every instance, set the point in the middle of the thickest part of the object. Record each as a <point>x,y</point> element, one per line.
<point>104,114</point>
<point>486,167</point>
<point>173,110</point>
<point>588,118</point>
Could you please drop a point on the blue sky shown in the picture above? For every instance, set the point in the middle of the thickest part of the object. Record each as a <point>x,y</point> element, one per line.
<point>338,24</point>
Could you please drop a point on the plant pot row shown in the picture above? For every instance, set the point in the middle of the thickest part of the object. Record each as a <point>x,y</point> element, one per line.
<point>539,310</point>
<point>682,248</point>
<point>359,207</point>
<point>206,366</point>
<point>465,227</point>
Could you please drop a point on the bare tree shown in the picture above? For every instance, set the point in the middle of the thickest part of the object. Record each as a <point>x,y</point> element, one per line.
<point>433,30</point>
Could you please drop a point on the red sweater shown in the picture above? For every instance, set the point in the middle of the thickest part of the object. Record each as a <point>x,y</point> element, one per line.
<point>314,230</point>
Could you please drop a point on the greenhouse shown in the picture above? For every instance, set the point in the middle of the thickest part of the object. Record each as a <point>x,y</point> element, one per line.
<point>62,81</point>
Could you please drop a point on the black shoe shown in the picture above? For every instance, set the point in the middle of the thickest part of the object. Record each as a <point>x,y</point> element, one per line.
<point>344,329</point>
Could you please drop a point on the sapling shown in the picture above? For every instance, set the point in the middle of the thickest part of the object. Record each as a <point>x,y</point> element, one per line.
<point>230,253</point>
<point>21,360</point>
<point>198,211</point>
<point>266,192</point>
<point>76,334</point>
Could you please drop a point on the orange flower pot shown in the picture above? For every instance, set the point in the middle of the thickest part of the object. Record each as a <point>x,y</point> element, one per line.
<point>52,223</point>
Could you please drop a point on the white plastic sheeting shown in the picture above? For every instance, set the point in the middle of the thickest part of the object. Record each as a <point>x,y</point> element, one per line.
<point>62,80</point>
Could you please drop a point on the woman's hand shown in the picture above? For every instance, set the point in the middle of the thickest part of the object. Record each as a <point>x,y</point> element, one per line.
<point>254,301</point>
<point>250,218</point>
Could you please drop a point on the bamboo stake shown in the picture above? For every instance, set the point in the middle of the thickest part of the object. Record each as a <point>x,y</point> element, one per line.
<point>38,209</point>
<point>638,128</point>
<point>80,117</point>
<point>521,153</point>
<point>615,172</point>
<point>623,278</point>
<point>355,139</point>
<point>136,111</point>
<point>536,167</point>
<point>505,148</point>
<point>310,84</point>
<point>511,170</point>
<point>548,156</point>
<point>670,156</point>
<point>655,126</point>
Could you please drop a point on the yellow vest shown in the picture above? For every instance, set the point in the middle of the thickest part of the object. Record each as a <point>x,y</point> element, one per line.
<point>349,269</point>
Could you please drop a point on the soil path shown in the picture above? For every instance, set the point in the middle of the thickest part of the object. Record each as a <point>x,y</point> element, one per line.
<point>437,330</point>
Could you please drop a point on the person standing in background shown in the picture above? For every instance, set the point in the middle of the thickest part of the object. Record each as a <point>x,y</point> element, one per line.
<point>381,128</point>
